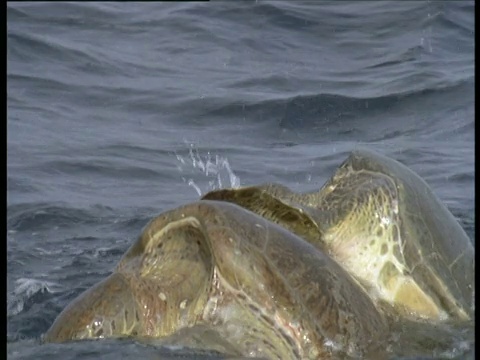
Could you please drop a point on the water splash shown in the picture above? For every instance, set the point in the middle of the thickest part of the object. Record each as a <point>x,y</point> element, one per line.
<point>215,169</point>
<point>26,289</point>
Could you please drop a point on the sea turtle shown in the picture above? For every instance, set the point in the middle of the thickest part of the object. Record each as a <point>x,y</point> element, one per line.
<point>264,271</point>
<point>215,265</point>
<point>385,226</point>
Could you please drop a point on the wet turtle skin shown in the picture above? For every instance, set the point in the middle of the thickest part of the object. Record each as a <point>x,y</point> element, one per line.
<point>263,271</point>
<point>215,265</point>
<point>385,226</point>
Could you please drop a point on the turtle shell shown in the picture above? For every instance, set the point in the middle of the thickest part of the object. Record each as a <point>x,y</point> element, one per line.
<point>215,268</point>
<point>385,226</point>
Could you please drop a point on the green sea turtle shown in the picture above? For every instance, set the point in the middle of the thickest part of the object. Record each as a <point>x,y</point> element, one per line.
<point>267,292</point>
<point>264,271</point>
<point>385,226</point>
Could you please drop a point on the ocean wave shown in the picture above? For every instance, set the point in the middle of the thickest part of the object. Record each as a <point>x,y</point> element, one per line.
<point>457,16</point>
<point>22,185</point>
<point>302,110</point>
<point>46,216</point>
<point>27,45</point>
<point>113,169</point>
<point>74,15</point>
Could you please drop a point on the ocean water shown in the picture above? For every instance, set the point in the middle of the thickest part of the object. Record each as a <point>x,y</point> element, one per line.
<point>117,112</point>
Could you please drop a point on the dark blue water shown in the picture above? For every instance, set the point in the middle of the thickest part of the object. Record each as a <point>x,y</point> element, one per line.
<point>119,111</point>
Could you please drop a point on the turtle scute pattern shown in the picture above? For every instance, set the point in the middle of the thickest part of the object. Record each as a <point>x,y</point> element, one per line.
<point>263,271</point>
<point>384,225</point>
<point>267,291</point>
